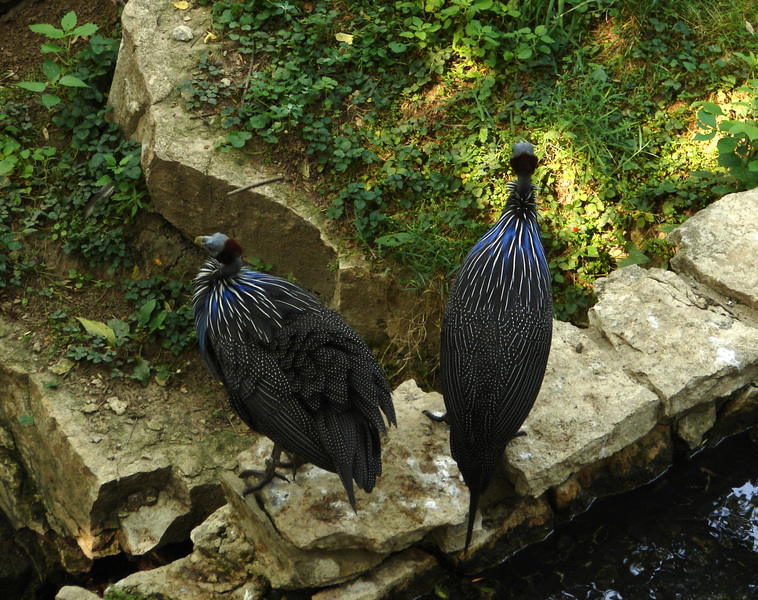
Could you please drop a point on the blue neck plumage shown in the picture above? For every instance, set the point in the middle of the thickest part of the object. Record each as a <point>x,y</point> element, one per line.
<point>508,256</point>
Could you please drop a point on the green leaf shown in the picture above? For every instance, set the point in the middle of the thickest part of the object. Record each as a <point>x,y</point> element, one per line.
<point>141,371</point>
<point>258,121</point>
<point>636,256</point>
<point>751,131</point>
<point>47,30</point>
<point>26,420</point>
<point>6,166</point>
<point>120,328</point>
<point>51,70</point>
<point>524,54</point>
<point>71,81</point>
<point>143,316</point>
<point>33,86</point>
<point>85,30</point>
<point>397,47</point>
<point>712,107</point>
<point>48,100</point>
<point>68,22</point>
<point>98,328</point>
<point>726,145</point>
<point>158,320</point>
<point>50,48</point>
<point>393,240</point>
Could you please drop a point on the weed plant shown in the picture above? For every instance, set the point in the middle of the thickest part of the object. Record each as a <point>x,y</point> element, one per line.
<point>45,188</point>
<point>408,111</point>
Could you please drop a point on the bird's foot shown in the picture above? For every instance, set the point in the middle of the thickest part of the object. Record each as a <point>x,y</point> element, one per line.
<point>264,477</point>
<point>294,463</point>
<point>268,474</point>
<point>436,418</point>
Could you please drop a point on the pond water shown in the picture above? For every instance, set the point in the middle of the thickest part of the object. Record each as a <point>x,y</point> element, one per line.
<point>691,535</point>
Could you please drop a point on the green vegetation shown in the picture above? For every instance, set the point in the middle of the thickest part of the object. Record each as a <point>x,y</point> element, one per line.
<point>408,110</point>
<point>51,164</point>
<point>405,112</point>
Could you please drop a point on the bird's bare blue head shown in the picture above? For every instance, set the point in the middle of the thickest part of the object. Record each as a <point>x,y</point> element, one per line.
<point>224,249</point>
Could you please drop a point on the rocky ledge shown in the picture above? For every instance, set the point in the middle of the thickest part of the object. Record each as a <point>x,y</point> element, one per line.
<point>668,363</point>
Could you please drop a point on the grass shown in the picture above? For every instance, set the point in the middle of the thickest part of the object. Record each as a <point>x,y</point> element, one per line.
<point>415,158</point>
<point>405,113</point>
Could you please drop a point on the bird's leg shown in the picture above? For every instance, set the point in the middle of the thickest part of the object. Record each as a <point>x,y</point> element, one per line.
<point>294,463</point>
<point>436,418</point>
<point>268,473</point>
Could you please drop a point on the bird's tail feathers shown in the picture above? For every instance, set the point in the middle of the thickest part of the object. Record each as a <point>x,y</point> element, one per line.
<point>473,505</point>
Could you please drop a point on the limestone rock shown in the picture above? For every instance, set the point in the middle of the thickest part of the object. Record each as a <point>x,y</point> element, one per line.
<point>719,247</point>
<point>217,569</point>
<point>692,426</point>
<point>420,490</point>
<point>395,578</point>
<point>71,592</point>
<point>102,482</point>
<point>587,410</point>
<point>668,338</point>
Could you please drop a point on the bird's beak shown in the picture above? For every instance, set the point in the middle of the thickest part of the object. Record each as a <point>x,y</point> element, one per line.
<point>200,241</point>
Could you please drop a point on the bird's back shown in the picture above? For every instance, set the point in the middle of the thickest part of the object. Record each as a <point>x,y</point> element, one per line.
<point>300,375</point>
<point>494,345</point>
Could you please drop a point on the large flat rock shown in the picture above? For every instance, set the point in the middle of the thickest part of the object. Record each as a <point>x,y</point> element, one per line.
<point>719,247</point>
<point>420,490</point>
<point>109,474</point>
<point>587,410</point>
<point>670,339</point>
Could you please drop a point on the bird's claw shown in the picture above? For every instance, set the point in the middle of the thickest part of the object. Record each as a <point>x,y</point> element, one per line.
<point>270,472</point>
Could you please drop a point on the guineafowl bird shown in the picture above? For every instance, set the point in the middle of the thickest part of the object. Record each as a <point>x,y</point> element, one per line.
<point>496,334</point>
<point>293,369</point>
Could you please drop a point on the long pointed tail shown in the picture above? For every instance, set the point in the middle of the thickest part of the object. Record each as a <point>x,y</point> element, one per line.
<point>472,506</point>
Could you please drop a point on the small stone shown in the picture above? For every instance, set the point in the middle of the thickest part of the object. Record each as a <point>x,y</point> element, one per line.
<point>155,425</point>
<point>98,383</point>
<point>37,348</point>
<point>89,408</point>
<point>116,405</point>
<point>63,366</point>
<point>183,33</point>
<point>96,439</point>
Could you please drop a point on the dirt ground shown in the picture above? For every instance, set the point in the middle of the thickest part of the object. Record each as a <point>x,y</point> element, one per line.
<point>20,47</point>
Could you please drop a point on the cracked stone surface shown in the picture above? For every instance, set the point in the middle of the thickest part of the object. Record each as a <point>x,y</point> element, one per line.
<point>588,409</point>
<point>110,483</point>
<point>719,247</point>
<point>688,352</point>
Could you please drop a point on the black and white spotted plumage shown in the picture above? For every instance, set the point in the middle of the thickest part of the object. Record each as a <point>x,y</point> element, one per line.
<point>496,334</point>
<point>293,369</point>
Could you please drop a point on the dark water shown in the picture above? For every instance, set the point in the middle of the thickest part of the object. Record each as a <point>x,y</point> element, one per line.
<point>692,535</point>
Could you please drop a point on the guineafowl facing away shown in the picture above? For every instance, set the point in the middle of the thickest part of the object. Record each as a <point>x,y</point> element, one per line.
<point>293,369</point>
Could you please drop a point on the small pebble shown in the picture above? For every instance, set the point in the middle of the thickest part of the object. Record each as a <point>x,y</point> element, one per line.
<point>183,33</point>
<point>116,405</point>
<point>89,408</point>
